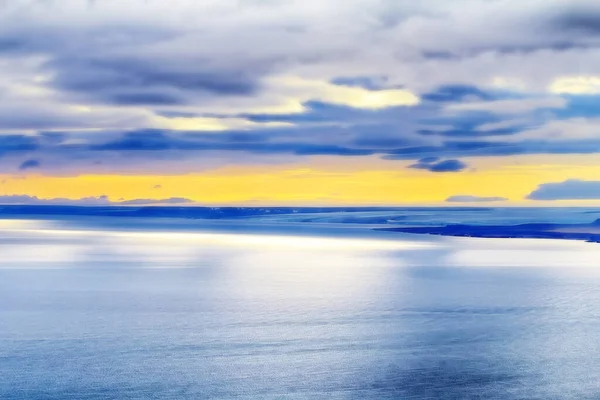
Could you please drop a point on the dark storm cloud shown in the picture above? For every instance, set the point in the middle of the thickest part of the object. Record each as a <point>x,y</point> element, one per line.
<point>155,140</point>
<point>455,149</point>
<point>579,20</point>
<point>429,160</point>
<point>147,81</point>
<point>471,132</point>
<point>515,49</point>
<point>380,140</point>
<point>165,141</point>
<point>100,74</point>
<point>144,140</point>
<point>11,45</point>
<point>152,99</point>
<point>458,92</point>
<point>30,164</point>
<point>572,189</point>
<point>494,149</point>
<point>362,139</point>
<point>440,166</point>
<point>18,143</point>
<point>161,145</point>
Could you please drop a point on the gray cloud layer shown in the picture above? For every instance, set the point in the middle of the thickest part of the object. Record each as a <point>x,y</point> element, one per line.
<point>112,82</point>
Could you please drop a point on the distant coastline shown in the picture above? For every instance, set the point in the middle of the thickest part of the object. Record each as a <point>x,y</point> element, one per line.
<point>479,222</point>
<point>204,212</point>
<point>585,232</point>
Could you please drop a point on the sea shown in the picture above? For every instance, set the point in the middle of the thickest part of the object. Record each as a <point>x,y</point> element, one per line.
<point>293,304</point>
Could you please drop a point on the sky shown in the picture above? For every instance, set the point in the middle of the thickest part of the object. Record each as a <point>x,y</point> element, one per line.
<point>300,102</point>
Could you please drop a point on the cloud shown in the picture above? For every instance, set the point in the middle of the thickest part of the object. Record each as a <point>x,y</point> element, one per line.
<point>510,106</point>
<point>210,124</point>
<point>579,85</point>
<point>565,130</point>
<point>458,92</point>
<point>30,164</point>
<point>306,90</point>
<point>19,144</point>
<point>429,160</point>
<point>581,18</point>
<point>258,80</point>
<point>365,82</point>
<point>572,189</point>
<point>439,166</point>
<point>171,141</point>
<point>168,150</point>
<point>130,81</point>
<point>89,201</point>
<point>172,200</point>
<point>33,200</point>
<point>474,199</point>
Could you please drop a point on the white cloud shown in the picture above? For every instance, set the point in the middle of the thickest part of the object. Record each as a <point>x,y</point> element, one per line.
<point>578,85</point>
<point>304,90</point>
<point>210,124</point>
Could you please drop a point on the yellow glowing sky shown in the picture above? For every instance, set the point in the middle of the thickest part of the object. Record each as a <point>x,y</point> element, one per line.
<point>324,181</point>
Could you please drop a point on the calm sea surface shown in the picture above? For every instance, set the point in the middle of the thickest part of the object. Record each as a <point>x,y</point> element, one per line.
<point>108,314</point>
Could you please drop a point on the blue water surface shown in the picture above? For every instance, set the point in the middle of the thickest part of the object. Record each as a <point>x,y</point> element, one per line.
<point>103,313</point>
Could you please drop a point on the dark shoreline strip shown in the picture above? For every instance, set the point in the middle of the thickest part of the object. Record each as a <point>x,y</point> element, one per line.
<point>524,231</point>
